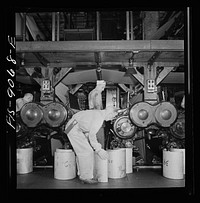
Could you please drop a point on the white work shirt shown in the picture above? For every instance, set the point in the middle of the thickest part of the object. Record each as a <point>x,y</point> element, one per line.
<point>90,122</point>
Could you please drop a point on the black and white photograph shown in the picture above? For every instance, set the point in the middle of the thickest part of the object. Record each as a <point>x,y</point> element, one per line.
<point>98,99</point>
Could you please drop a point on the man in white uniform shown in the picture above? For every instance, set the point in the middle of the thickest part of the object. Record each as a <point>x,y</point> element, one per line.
<point>81,131</point>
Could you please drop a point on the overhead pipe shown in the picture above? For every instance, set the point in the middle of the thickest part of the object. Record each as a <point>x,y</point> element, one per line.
<point>58,26</point>
<point>98,24</point>
<point>127,26</point>
<point>98,69</point>
<point>189,50</point>
<point>131,16</point>
<point>53,25</point>
<point>99,73</point>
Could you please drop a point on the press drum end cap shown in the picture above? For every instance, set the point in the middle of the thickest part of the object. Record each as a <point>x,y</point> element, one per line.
<point>143,114</point>
<point>166,114</point>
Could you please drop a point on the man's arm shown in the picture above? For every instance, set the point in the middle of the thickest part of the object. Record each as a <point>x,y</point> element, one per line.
<point>97,100</point>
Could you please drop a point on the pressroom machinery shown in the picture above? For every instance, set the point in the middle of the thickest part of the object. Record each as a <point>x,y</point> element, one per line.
<point>144,79</point>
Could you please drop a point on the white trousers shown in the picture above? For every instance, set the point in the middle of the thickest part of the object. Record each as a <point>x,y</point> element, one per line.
<point>84,152</point>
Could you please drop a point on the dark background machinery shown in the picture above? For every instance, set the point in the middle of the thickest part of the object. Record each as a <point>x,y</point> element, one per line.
<point>37,124</point>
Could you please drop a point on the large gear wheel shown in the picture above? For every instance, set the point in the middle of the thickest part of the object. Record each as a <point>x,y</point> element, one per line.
<point>124,128</point>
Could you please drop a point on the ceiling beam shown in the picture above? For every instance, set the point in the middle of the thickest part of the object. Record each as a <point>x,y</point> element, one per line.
<point>172,78</point>
<point>41,59</point>
<point>102,45</point>
<point>104,65</point>
<point>154,57</point>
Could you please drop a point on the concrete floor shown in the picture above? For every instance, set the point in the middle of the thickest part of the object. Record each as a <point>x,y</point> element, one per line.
<point>43,178</point>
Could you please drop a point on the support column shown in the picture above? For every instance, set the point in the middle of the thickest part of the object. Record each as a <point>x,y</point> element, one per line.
<point>98,25</point>
<point>132,33</point>
<point>127,26</point>
<point>58,26</point>
<point>53,26</point>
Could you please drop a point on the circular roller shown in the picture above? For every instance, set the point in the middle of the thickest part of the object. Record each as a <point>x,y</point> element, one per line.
<point>178,129</point>
<point>31,114</point>
<point>18,127</point>
<point>21,130</point>
<point>141,114</point>
<point>55,114</point>
<point>123,127</point>
<point>165,114</point>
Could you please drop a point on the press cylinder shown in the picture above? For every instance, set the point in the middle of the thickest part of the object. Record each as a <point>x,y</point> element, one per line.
<point>173,164</point>
<point>141,114</point>
<point>55,114</point>
<point>24,160</point>
<point>117,163</point>
<point>165,114</point>
<point>100,169</point>
<point>32,114</point>
<point>64,164</point>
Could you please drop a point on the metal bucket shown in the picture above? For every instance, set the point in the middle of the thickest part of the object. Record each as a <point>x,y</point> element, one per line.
<point>24,160</point>
<point>100,169</point>
<point>117,163</point>
<point>64,164</point>
<point>173,164</point>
